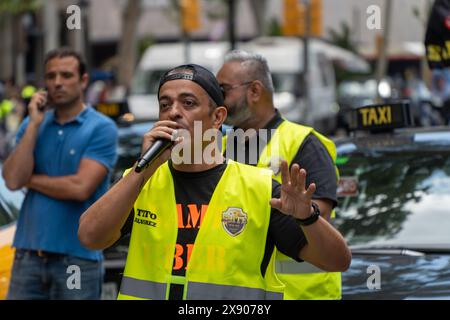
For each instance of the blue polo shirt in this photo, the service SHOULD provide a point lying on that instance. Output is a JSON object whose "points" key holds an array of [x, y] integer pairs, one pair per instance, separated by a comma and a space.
{"points": [[50, 224]]}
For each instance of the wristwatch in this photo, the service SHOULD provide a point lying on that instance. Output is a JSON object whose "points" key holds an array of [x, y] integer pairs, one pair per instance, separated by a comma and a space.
{"points": [[312, 218]]}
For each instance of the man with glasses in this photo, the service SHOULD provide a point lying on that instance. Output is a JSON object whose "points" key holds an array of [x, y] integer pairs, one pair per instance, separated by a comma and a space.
{"points": [[247, 85]]}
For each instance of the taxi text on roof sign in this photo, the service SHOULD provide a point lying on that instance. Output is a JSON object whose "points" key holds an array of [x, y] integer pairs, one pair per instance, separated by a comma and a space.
{"points": [[376, 116], [381, 117]]}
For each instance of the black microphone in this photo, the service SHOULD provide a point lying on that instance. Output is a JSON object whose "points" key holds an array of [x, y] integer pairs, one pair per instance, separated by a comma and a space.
{"points": [[155, 150]]}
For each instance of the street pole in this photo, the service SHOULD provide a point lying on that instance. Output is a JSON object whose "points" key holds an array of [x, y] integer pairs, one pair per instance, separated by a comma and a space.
{"points": [[7, 60], [84, 6], [185, 39], [39, 52], [305, 78], [51, 25], [231, 23], [425, 71], [382, 59], [19, 50], [187, 47]]}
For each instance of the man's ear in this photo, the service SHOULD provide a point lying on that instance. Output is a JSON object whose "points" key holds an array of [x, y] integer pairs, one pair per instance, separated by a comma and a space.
{"points": [[219, 116], [84, 81], [256, 90]]}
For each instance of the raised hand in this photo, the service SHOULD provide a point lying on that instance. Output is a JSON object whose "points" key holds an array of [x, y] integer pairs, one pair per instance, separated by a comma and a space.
{"points": [[295, 200]]}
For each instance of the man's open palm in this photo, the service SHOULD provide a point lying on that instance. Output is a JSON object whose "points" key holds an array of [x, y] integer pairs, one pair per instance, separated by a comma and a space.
{"points": [[295, 200]]}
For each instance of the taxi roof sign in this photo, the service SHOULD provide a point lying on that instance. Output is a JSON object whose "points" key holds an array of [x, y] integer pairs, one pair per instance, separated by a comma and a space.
{"points": [[381, 117]]}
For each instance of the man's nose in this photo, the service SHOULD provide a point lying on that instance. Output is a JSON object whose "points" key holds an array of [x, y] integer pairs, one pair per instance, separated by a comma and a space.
{"points": [[175, 111], [58, 80]]}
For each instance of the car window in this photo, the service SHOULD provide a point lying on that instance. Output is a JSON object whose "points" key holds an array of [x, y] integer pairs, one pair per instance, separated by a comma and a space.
{"points": [[10, 203], [4, 217], [285, 82], [361, 89], [324, 69], [397, 198]]}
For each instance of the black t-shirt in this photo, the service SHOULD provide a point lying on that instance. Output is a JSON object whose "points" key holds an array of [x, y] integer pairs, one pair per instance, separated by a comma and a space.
{"points": [[312, 156], [193, 192]]}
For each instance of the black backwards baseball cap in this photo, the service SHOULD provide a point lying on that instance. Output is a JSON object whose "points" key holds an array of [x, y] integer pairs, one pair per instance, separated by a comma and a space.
{"points": [[198, 74]]}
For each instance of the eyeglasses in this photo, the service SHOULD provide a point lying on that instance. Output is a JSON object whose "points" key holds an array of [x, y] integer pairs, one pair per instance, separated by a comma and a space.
{"points": [[228, 87]]}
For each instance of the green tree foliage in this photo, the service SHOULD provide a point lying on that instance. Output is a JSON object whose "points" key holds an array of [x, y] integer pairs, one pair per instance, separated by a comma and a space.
{"points": [[274, 28], [19, 6], [144, 43], [388, 185], [343, 37]]}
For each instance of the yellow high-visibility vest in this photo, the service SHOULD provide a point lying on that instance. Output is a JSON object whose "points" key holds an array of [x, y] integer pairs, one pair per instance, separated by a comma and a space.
{"points": [[302, 280], [6, 106], [226, 259], [28, 91]]}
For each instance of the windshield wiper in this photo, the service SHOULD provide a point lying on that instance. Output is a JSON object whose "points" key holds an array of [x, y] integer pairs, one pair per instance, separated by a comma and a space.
{"points": [[412, 249], [382, 250]]}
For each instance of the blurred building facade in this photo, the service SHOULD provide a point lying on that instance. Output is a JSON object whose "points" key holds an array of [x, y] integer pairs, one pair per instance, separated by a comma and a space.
{"points": [[26, 38]]}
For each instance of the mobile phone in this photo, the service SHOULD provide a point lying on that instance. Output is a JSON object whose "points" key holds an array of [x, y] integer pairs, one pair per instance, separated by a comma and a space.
{"points": [[43, 106]]}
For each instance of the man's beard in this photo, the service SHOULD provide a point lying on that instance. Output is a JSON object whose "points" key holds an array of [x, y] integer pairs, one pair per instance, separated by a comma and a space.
{"points": [[238, 114], [69, 102]]}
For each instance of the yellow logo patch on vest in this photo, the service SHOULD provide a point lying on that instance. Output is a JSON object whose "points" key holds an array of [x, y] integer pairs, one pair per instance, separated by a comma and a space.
{"points": [[234, 221]]}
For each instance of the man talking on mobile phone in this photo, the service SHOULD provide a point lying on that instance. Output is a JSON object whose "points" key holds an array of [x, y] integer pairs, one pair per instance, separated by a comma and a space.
{"points": [[64, 154]]}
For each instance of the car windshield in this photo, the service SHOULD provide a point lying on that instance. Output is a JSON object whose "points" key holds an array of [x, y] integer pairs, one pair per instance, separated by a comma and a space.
{"points": [[146, 81], [395, 199]]}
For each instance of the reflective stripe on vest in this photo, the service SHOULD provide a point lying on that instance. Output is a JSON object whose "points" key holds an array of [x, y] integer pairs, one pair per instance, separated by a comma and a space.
{"points": [[209, 291], [143, 288], [294, 267], [196, 291]]}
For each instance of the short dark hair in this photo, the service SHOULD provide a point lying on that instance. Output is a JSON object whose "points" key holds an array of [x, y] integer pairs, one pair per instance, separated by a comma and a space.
{"points": [[66, 52]]}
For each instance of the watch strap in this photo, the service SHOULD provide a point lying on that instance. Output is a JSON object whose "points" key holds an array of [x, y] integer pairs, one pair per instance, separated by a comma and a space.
{"points": [[312, 218]]}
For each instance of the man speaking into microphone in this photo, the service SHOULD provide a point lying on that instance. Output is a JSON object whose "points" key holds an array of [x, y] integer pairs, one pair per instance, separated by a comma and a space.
{"points": [[205, 229]]}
